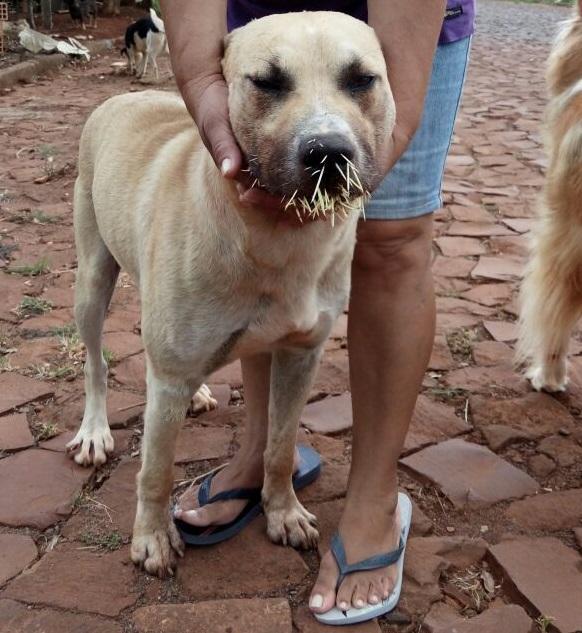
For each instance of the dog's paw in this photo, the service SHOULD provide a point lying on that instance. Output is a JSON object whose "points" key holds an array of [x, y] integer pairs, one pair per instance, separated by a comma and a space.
{"points": [[91, 444], [295, 527], [155, 550], [547, 378], [203, 400]]}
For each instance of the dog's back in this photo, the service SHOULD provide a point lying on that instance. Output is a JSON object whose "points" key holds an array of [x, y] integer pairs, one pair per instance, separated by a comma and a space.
{"points": [[139, 28], [564, 121], [125, 145]]}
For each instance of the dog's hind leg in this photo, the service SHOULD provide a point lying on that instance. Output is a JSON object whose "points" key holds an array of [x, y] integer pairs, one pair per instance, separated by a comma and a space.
{"points": [[96, 275], [292, 373], [144, 67], [551, 298], [551, 293], [155, 538]]}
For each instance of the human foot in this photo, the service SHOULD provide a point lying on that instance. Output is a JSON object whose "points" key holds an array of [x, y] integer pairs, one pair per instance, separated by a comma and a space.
{"points": [[380, 533], [244, 471]]}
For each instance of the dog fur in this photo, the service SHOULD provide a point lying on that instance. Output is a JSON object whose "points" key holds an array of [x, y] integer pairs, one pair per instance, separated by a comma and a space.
{"points": [[145, 40], [220, 281], [551, 293]]}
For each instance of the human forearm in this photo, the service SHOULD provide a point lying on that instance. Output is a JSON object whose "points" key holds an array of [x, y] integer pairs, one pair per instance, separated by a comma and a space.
{"points": [[195, 30], [408, 31]]}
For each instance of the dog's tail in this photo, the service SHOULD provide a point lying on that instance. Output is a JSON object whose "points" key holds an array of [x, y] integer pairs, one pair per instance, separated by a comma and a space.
{"points": [[123, 52]]}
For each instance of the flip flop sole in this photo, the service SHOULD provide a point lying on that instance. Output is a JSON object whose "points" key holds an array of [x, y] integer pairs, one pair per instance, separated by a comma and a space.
{"points": [[309, 470], [336, 617]]}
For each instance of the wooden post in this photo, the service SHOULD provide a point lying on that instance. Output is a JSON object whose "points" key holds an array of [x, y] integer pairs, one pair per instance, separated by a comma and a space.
{"points": [[47, 14], [28, 10], [3, 20]]}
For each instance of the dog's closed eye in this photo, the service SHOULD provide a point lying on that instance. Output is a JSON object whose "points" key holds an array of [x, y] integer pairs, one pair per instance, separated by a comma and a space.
{"points": [[356, 78], [274, 81], [359, 83]]}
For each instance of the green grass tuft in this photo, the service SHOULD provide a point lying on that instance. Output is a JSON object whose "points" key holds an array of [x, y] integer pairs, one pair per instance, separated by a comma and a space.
{"points": [[32, 306], [31, 270], [109, 541]]}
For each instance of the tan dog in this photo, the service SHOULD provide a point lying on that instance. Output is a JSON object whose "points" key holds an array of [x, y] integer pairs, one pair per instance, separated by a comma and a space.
{"points": [[219, 281], [552, 290]]}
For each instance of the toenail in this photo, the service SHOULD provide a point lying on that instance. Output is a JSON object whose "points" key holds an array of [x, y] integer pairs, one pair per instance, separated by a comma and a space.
{"points": [[316, 601], [359, 603], [343, 606], [374, 599]]}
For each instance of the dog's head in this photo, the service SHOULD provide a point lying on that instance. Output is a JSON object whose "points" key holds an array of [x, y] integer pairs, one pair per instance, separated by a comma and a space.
{"points": [[310, 102]]}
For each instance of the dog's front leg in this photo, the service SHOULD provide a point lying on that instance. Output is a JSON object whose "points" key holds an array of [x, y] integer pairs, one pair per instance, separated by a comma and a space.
{"points": [[155, 538], [292, 373]]}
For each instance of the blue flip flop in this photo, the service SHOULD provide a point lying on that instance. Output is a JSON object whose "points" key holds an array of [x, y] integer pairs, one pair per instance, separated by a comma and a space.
{"points": [[308, 471], [336, 616]]}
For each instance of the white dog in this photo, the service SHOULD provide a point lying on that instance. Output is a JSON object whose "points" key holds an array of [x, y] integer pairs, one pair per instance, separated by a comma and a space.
{"points": [[312, 109]]}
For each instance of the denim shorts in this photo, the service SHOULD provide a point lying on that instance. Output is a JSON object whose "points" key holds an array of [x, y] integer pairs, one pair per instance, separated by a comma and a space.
{"points": [[413, 186]]}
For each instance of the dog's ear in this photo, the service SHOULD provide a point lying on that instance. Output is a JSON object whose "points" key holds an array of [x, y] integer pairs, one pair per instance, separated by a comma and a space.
{"points": [[226, 40], [228, 37]]}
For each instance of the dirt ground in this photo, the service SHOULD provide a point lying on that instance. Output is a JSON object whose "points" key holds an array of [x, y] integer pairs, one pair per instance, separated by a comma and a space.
{"points": [[494, 469], [112, 28]]}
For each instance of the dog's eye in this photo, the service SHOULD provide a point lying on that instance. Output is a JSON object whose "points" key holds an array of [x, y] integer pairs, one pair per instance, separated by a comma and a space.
{"points": [[269, 84], [359, 83]]}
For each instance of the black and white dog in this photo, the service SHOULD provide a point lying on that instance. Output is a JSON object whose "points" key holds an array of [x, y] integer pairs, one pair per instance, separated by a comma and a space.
{"points": [[145, 39], [83, 11]]}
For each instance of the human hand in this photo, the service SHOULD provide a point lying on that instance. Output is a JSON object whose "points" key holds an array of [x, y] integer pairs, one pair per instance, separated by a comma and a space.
{"points": [[207, 102]]}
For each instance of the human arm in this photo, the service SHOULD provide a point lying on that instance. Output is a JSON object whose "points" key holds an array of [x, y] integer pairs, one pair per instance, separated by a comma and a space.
{"points": [[195, 30], [408, 31]]}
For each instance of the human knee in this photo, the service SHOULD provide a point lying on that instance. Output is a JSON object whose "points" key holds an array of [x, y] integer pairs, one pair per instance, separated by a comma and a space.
{"points": [[387, 249]]}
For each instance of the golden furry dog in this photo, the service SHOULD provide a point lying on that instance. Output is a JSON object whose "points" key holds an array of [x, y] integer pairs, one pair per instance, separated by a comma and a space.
{"points": [[551, 293], [310, 104]]}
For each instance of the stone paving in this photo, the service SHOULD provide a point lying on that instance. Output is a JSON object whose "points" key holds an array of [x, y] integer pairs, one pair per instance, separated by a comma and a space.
{"points": [[494, 471]]}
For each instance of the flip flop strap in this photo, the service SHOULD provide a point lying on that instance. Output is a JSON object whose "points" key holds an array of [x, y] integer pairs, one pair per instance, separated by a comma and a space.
{"points": [[204, 498], [368, 564]]}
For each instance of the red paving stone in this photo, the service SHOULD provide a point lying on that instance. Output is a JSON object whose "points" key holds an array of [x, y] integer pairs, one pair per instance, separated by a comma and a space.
{"points": [[247, 564], [550, 593], [14, 432], [441, 358], [488, 353], [78, 579], [550, 512], [329, 415], [504, 619], [492, 184], [113, 508], [18, 618], [17, 390], [38, 488], [17, 551], [217, 616], [501, 331], [432, 422], [537, 414], [470, 474], [202, 443]]}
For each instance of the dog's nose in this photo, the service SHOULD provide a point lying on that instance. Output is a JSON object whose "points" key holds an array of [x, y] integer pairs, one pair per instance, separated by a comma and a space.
{"points": [[325, 149]]}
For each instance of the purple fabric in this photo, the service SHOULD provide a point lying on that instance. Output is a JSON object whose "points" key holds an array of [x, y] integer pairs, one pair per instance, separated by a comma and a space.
{"points": [[458, 23]]}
